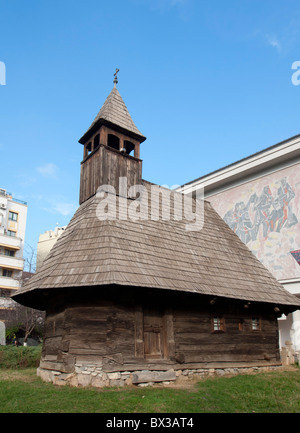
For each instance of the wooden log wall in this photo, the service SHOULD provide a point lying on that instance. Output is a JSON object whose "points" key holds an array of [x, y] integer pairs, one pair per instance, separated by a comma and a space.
{"points": [[110, 333], [196, 342]]}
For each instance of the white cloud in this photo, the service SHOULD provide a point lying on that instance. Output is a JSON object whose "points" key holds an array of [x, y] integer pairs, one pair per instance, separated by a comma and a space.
{"points": [[274, 42], [48, 170], [62, 208], [65, 209], [26, 180]]}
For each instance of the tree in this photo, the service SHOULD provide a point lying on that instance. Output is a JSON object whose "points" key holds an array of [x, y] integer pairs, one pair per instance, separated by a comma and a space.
{"points": [[29, 258], [29, 319], [25, 318]]}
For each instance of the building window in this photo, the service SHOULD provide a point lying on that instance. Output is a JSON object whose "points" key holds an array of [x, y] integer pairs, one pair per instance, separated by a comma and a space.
{"points": [[4, 293], [12, 216], [11, 233], [7, 273], [218, 324], [256, 324], [241, 325], [10, 253]]}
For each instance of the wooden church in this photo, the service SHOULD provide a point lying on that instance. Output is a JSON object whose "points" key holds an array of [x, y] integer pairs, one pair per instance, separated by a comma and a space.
{"points": [[131, 301]]}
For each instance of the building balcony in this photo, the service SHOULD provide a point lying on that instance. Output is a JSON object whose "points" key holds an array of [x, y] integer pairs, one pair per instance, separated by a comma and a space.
{"points": [[11, 262], [10, 242], [9, 283]]}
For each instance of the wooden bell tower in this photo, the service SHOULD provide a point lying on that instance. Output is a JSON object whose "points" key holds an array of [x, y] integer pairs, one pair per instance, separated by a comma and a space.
{"points": [[111, 148]]}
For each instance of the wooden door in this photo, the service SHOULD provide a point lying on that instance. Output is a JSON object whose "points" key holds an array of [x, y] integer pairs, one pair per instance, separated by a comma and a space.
{"points": [[153, 334]]}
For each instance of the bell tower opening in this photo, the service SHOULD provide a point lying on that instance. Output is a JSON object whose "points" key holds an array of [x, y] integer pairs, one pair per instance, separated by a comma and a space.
{"points": [[129, 147], [113, 141]]}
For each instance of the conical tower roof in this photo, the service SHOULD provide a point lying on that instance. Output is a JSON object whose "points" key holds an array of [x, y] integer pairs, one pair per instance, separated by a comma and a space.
{"points": [[114, 113]]}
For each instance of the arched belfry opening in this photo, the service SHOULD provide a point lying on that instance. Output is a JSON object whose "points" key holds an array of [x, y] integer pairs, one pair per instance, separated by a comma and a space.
{"points": [[113, 141], [111, 148]]}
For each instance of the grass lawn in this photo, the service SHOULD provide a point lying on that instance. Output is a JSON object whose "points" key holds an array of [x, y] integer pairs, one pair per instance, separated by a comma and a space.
{"points": [[21, 391]]}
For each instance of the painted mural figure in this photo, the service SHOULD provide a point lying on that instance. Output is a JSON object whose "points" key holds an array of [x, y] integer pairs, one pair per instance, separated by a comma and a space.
{"points": [[239, 220], [263, 214], [286, 217], [272, 214]]}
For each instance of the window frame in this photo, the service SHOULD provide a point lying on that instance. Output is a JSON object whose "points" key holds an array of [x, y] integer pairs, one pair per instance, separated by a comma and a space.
{"points": [[9, 253], [218, 325], [4, 271], [13, 213], [255, 323]]}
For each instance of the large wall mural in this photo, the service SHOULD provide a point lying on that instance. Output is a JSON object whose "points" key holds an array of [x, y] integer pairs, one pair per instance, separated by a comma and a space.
{"points": [[265, 214], [271, 213]]}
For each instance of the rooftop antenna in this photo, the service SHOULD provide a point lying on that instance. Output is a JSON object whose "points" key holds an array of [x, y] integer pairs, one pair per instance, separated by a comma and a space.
{"points": [[116, 78]]}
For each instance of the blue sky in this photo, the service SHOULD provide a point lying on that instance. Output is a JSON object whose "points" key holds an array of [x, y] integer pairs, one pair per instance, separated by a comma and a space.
{"points": [[207, 82]]}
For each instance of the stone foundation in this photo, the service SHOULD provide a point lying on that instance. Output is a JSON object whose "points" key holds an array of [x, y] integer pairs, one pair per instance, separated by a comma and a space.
{"points": [[94, 376]]}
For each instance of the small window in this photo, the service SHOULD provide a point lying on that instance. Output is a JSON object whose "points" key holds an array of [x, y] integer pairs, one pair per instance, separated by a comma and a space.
{"points": [[11, 233], [13, 216], [255, 323], [218, 324], [7, 273], [241, 325]]}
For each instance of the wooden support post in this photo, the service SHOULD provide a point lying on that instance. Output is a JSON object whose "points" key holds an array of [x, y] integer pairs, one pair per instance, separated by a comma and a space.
{"points": [[139, 332]]}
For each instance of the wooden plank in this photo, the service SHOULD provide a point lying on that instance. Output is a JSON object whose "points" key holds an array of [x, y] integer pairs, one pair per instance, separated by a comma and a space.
{"points": [[169, 340], [56, 366], [139, 330], [191, 357], [132, 366]]}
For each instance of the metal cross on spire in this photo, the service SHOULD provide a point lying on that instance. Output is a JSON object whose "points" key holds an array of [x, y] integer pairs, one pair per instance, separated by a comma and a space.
{"points": [[116, 77]]}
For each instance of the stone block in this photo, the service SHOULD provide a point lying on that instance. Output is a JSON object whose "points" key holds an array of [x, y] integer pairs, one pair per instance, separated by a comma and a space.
{"points": [[114, 376], [117, 382], [84, 379], [99, 382], [153, 376], [45, 375]]}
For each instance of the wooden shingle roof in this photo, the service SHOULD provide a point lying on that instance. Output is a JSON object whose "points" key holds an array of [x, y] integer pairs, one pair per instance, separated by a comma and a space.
{"points": [[115, 112], [155, 254]]}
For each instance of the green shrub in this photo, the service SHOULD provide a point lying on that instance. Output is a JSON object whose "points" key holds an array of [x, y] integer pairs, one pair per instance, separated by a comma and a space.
{"points": [[20, 356]]}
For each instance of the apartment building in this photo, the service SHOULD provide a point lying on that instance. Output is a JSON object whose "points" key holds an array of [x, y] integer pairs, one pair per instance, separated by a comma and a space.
{"points": [[13, 214], [45, 243]]}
